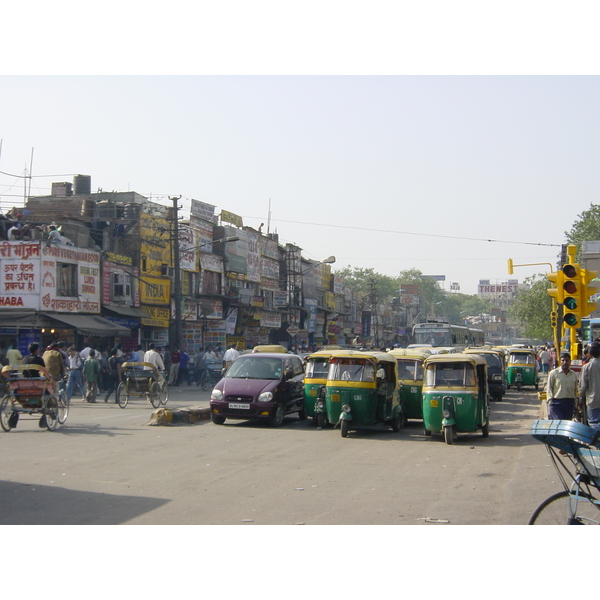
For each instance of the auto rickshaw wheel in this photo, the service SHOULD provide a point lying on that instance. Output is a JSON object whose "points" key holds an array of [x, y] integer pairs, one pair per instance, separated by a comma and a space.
{"points": [[302, 414], [426, 433], [155, 394], [6, 411], [397, 423], [519, 387], [449, 434], [345, 427], [321, 420], [122, 396], [485, 429], [51, 413]]}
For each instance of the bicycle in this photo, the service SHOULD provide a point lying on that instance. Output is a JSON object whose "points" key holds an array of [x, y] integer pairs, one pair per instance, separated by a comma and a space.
{"points": [[63, 400], [572, 449]]}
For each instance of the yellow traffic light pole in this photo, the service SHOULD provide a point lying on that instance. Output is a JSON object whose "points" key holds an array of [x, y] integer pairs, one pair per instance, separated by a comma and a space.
{"points": [[572, 291], [511, 267]]}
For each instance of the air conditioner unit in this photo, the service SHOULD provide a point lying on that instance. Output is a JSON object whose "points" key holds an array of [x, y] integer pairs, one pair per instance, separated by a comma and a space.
{"points": [[167, 271]]}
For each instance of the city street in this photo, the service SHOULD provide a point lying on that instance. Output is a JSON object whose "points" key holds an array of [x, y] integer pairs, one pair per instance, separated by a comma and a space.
{"points": [[107, 465]]}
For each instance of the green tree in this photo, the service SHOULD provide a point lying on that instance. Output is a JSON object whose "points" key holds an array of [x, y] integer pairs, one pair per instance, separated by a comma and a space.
{"points": [[586, 227], [532, 307], [360, 280]]}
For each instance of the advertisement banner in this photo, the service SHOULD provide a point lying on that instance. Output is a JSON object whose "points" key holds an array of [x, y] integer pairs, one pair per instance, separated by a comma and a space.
{"points": [[155, 290], [19, 275], [70, 279]]}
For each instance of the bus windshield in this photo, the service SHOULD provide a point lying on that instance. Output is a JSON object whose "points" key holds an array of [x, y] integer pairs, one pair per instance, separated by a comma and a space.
{"points": [[440, 338]]}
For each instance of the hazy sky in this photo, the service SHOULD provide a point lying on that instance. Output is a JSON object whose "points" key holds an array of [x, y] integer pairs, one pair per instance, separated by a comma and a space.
{"points": [[388, 172], [411, 170]]}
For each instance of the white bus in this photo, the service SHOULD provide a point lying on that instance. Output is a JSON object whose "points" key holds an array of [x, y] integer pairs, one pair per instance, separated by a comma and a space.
{"points": [[444, 335]]}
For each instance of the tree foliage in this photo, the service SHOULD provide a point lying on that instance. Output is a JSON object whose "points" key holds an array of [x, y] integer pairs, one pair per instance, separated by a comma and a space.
{"points": [[433, 301], [360, 281], [586, 227], [532, 307]]}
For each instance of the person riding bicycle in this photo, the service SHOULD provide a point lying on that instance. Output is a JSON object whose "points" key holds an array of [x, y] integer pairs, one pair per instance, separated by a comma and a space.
{"points": [[154, 358]]}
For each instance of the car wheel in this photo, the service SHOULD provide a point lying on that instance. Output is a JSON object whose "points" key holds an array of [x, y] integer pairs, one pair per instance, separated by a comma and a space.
{"points": [[277, 419]]}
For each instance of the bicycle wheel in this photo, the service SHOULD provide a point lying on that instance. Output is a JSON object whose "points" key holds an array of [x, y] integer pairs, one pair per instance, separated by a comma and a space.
{"points": [[122, 395], [155, 394], [556, 510], [51, 413], [63, 406], [6, 412], [204, 381], [164, 393]]}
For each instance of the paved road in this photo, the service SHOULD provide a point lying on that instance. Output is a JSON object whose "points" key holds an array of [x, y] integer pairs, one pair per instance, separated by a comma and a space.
{"points": [[109, 466]]}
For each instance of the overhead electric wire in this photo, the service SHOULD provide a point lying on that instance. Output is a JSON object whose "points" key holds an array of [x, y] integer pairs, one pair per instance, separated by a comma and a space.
{"points": [[437, 235]]}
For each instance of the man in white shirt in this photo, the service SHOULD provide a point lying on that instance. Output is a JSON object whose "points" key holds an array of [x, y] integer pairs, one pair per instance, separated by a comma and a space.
{"points": [[154, 358], [230, 355]]}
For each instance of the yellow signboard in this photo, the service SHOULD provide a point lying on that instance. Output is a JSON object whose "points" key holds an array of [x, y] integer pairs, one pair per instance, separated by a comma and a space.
{"points": [[155, 246], [158, 316], [155, 290]]}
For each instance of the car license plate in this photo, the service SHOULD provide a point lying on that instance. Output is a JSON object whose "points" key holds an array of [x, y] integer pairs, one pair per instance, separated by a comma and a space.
{"points": [[238, 405]]}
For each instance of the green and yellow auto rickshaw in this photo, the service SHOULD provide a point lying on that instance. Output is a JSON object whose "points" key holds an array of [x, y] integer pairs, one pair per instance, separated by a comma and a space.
{"points": [[362, 390], [455, 395], [522, 368], [315, 380], [496, 371], [410, 375]]}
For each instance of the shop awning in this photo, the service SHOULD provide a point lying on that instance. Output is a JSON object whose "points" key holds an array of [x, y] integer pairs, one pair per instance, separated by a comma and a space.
{"points": [[90, 324], [129, 312], [22, 318]]}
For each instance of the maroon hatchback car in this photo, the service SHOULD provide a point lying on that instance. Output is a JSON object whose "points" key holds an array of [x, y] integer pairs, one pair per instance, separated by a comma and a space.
{"points": [[260, 386]]}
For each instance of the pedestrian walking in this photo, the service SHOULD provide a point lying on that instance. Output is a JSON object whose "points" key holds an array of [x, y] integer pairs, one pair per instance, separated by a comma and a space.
{"points": [[184, 373], [230, 355], [544, 360], [91, 374], [115, 374], [174, 368], [75, 377], [590, 387], [13, 354], [561, 390]]}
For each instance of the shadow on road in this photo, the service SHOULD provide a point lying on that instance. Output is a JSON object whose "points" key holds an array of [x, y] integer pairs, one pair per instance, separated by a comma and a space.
{"points": [[26, 504]]}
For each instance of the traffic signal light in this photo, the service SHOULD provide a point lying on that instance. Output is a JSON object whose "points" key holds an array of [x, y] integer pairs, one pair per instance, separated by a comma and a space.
{"points": [[588, 289], [572, 296], [553, 318], [556, 292]]}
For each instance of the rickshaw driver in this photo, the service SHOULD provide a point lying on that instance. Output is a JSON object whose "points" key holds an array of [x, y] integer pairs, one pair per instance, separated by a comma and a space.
{"points": [[154, 358]]}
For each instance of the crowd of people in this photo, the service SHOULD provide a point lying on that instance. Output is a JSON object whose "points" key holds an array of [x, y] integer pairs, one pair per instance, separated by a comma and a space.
{"points": [[92, 371], [575, 396]]}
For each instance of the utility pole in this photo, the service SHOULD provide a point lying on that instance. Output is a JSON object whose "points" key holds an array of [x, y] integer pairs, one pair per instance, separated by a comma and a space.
{"points": [[176, 271]]}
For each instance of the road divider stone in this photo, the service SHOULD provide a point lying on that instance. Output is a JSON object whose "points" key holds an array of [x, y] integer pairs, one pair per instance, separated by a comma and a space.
{"points": [[180, 416]]}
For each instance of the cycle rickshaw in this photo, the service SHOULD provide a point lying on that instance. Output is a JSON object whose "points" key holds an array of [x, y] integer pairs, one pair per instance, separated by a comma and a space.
{"points": [[32, 390], [142, 379]]}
